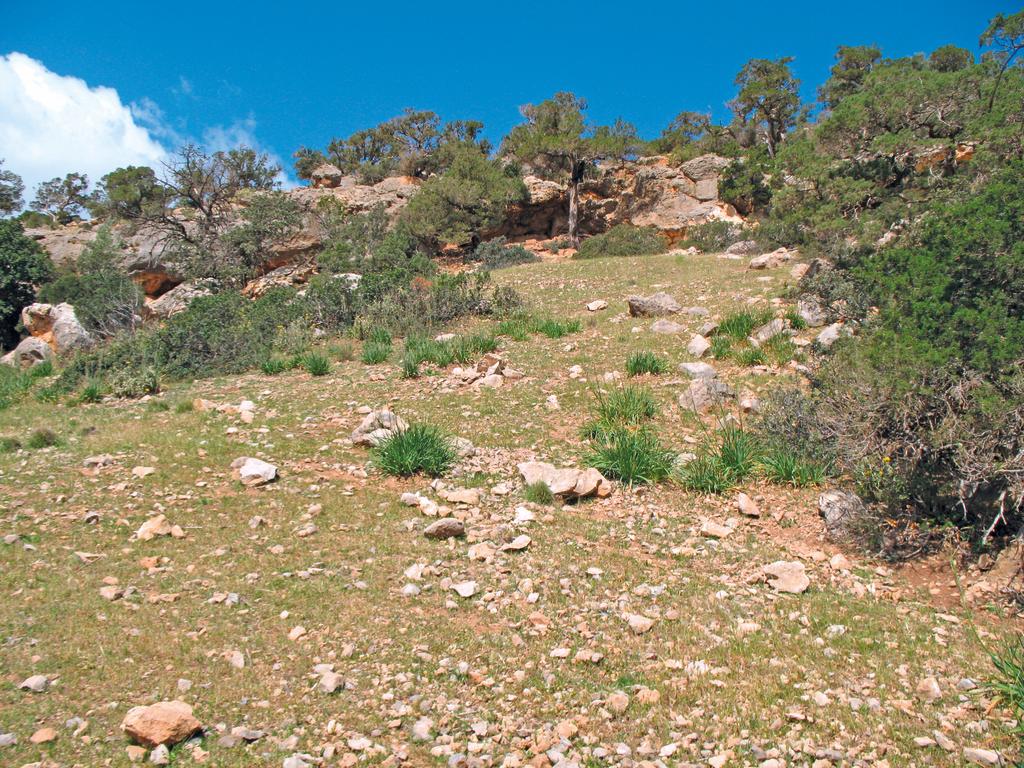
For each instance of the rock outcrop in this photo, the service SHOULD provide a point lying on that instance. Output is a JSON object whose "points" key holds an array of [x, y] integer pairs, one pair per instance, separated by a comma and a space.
{"points": [[29, 353], [56, 325]]}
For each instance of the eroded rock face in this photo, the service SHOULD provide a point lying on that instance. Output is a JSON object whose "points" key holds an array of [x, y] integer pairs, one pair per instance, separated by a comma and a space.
{"points": [[166, 722], [175, 300], [57, 325], [29, 353]]}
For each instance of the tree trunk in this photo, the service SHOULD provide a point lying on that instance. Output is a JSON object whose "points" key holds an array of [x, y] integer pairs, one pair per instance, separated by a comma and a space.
{"points": [[574, 213]]}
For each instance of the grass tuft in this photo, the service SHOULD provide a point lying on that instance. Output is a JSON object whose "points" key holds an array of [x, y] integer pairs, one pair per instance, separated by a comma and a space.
{"points": [[420, 448], [636, 457], [376, 352], [539, 493], [646, 362], [42, 438], [316, 364]]}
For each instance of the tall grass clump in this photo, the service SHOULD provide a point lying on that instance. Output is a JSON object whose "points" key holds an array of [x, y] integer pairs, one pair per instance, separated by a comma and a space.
{"points": [[633, 456], [741, 324], [640, 363], [418, 449], [316, 364]]}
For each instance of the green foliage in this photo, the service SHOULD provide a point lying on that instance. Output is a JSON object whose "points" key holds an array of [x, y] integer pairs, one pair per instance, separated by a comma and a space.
{"points": [[768, 98], [472, 196], [274, 365], [950, 58], [9, 444], [721, 347], [634, 456], [740, 325], [418, 449], [23, 265], [316, 364], [376, 352], [184, 406], [63, 200], [739, 451], [1007, 683], [106, 300], [134, 382], [92, 392], [646, 362], [706, 474], [628, 405], [553, 329], [43, 438], [750, 356], [130, 193], [11, 190], [268, 218], [853, 62], [497, 254], [539, 493], [786, 467], [409, 367], [623, 240]]}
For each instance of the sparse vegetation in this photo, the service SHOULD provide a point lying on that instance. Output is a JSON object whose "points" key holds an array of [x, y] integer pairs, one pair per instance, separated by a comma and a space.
{"points": [[539, 493], [316, 364], [623, 240], [646, 362]]}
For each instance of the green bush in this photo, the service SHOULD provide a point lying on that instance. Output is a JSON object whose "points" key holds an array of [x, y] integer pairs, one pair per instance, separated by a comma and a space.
{"points": [[497, 254], [554, 329], [646, 362], [9, 444], [786, 467], [739, 451], [750, 356], [23, 265], [134, 382], [1007, 684], [316, 364], [106, 300], [634, 456], [721, 347], [627, 405], [539, 493], [410, 367], [706, 474], [274, 365], [623, 240], [376, 352], [418, 449], [42, 438], [92, 392]]}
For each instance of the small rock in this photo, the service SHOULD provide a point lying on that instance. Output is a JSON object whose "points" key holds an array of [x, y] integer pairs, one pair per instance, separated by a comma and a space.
{"points": [[698, 346], [43, 736], [787, 576], [422, 729], [160, 756], [445, 528], [666, 327], [986, 757], [166, 722], [747, 506], [929, 690], [597, 305], [254, 472], [35, 683], [464, 588], [639, 624]]}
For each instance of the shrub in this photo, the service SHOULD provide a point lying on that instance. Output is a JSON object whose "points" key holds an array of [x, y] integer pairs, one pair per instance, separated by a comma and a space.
{"points": [[134, 382], [786, 467], [158, 406], [316, 364], [14, 384], [375, 352], [739, 451], [628, 405], [23, 265], [274, 365], [623, 240], [106, 300], [539, 493], [418, 449], [42, 438], [706, 474], [497, 254], [517, 328], [92, 392], [635, 457], [9, 444], [712, 236], [640, 363]]}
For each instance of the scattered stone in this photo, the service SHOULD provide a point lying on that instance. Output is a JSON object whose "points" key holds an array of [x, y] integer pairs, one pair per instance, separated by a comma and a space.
{"points": [[254, 472], [985, 757], [698, 370], [29, 353], [464, 588], [666, 327], [772, 260], [597, 306], [655, 305], [423, 729], [831, 334], [787, 576], [160, 756], [35, 683], [517, 544], [812, 312], [698, 346], [743, 248], [840, 511], [166, 722], [617, 702], [377, 427], [331, 682], [704, 394], [747, 506], [639, 624], [43, 736], [158, 525], [569, 483], [769, 330], [445, 528], [929, 690], [715, 530], [8, 740]]}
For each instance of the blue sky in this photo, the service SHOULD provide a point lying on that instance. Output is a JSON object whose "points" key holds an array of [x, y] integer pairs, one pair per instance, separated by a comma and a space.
{"points": [[289, 74]]}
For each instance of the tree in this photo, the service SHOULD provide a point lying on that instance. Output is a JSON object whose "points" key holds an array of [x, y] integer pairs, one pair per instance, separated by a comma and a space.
{"points": [[685, 129], [853, 62], [556, 138], [1006, 35], [950, 58], [412, 144], [106, 300], [11, 190], [471, 196], [268, 218], [768, 98], [62, 199], [128, 193], [23, 265]]}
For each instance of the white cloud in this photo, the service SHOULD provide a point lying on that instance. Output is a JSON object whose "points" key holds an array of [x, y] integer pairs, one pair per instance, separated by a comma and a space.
{"points": [[51, 125]]}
